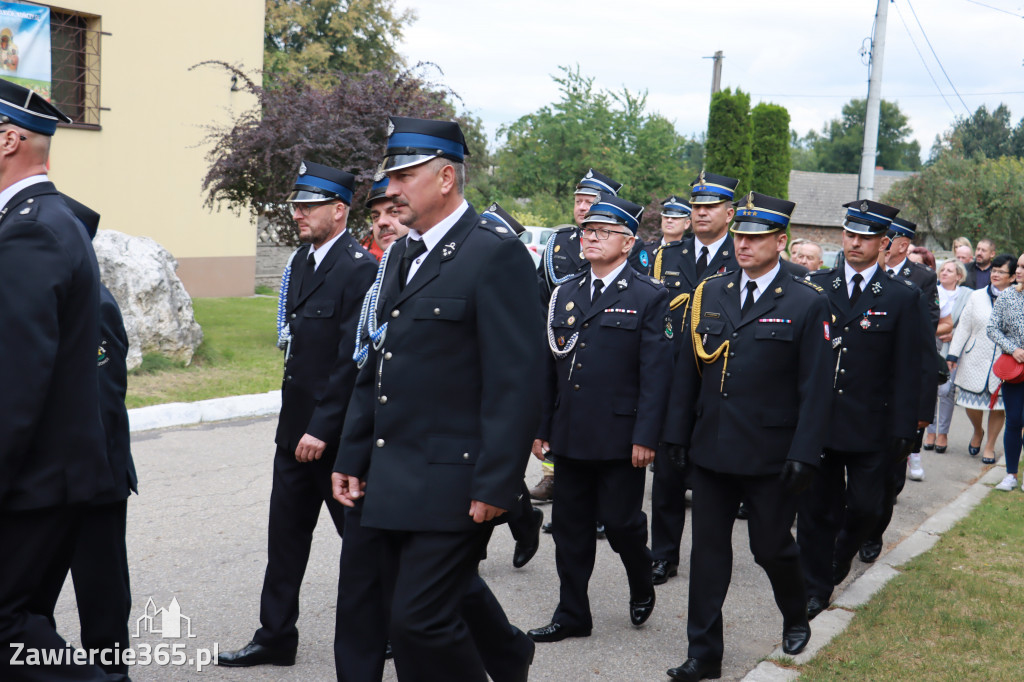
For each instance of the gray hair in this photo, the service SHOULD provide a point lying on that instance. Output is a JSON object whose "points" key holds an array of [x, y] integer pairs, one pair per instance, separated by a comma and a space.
{"points": [[460, 171]]}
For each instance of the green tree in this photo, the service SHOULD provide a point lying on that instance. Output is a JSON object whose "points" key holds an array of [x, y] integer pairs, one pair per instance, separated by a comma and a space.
{"points": [[728, 149], [801, 151], [974, 198], [770, 151], [838, 148], [986, 134], [544, 154], [315, 39]]}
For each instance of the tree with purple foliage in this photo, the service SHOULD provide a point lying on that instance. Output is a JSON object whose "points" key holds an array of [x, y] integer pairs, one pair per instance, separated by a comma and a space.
{"points": [[254, 161]]}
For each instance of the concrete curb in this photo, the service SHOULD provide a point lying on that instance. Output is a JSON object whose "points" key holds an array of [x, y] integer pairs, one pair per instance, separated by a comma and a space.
{"points": [[829, 624], [214, 410]]}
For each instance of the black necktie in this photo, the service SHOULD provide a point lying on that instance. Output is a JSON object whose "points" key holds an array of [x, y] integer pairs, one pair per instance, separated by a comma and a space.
{"points": [[413, 249], [598, 288], [855, 294], [748, 303], [702, 261]]}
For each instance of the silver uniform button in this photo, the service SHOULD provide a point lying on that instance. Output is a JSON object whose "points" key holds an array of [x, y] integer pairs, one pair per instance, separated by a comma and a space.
{"points": [[437, 311], [383, 400], [380, 442], [465, 455], [387, 355], [394, 313]]}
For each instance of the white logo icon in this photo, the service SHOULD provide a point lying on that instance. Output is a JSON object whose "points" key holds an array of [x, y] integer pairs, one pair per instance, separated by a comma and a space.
{"points": [[164, 622]]}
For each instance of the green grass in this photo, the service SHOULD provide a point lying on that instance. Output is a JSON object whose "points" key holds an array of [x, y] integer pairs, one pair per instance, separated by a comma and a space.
{"points": [[264, 290], [238, 356], [956, 612]]}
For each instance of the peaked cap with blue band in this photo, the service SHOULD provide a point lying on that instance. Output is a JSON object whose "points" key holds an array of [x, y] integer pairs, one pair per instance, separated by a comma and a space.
{"points": [[502, 217], [709, 188], [761, 214], [902, 228], [317, 182], [379, 190], [612, 209], [596, 184], [22, 107], [412, 141], [868, 217], [674, 207]]}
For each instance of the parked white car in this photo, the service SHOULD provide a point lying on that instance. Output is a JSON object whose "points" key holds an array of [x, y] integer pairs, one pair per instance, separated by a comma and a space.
{"points": [[536, 238]]}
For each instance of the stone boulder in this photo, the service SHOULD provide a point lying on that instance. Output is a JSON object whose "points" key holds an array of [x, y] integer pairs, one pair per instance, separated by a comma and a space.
{"points": [[157, 310]]}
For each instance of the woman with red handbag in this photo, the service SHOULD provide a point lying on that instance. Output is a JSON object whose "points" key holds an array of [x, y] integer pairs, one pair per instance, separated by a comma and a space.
{"points": [[1006, 329]]}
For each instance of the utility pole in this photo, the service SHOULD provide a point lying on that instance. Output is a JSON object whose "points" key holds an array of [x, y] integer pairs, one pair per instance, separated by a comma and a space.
{"points": [[716, 74], [866, 183]]}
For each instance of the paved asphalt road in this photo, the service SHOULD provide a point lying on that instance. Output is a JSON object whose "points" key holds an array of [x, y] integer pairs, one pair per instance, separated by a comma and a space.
{"points": [[197, 534]]}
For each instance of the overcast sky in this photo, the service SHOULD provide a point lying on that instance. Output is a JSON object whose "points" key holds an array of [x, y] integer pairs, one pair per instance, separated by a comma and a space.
{"points": [[499, 56]]}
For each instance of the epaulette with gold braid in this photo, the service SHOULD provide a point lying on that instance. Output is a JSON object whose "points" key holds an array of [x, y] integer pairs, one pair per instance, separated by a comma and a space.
{"points": [[809, 283]]}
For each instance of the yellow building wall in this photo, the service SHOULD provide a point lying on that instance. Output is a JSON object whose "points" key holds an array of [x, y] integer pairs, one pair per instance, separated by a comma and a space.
{"points": [[143, 169]]}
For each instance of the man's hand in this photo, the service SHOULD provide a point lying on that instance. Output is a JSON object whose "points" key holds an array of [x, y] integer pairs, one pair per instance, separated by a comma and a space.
{"points": [[1018, 355], [642, 456], [951, 365], [346, 489], [676, 454], [309, 448], [481, 511], [540, 448], [922, 424], [900, 448], [796, 476]]}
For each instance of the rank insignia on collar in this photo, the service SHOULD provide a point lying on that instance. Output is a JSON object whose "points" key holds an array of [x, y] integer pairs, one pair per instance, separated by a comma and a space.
{"points": [[622, 283], [570, 305], [837, 282], [572, 235], [877, 288], [906, 271], [725, 253], [448, 249]]}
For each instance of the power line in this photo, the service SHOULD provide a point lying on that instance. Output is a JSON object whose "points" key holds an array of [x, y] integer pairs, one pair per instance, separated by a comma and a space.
{"points": [[921, 56], [998, 9], [911, 6], [799, 95]]}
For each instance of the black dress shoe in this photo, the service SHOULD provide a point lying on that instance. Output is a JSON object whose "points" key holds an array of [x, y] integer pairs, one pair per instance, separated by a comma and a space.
{"points": [[815, 605], [389, 653], [526, 549], [870, 551], [661, 571], [600, 531], [640, 611], [795, 638], [743, 513], [546, 528], [694, 669], [256, 654], [840, 569], [556, 632]]}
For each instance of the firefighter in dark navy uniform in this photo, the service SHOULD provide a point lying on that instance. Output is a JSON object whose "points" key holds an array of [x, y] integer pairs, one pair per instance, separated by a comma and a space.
{"points": [[52, 446], [753, 328], [877, 382], [675, 222], [607, 380], [443, 412], [328, 280], [677, 264]]}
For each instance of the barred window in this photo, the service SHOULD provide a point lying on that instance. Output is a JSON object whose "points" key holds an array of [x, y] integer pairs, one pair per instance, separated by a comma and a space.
{"points": [[75, 65]]}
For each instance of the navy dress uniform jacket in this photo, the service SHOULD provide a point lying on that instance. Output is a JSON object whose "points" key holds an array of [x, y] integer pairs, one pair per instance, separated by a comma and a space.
{"points": [[610, 391], [765, 399], [319, 372], [446, 410], [51, 437], [876, 361], [925, 279], [566, 258], [677, 269], [113, 378]]}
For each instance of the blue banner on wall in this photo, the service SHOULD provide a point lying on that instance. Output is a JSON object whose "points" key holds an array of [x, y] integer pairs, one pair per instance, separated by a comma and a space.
{"points": [[25, 46]]}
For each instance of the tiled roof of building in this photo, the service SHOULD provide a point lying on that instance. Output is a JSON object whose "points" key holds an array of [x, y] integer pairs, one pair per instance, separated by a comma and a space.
{"points": [[820, 197]]}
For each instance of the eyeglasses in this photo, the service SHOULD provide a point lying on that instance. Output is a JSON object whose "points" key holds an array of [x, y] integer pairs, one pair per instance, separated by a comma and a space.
{"points": [[305, 208], [601, 232]]}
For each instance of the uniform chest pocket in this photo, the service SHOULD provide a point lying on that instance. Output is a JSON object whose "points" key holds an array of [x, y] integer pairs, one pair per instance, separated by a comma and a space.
{"points": [[877, 324], [627, 322], [439, 309], [318, 309], [776, 332], [711, 327]]}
